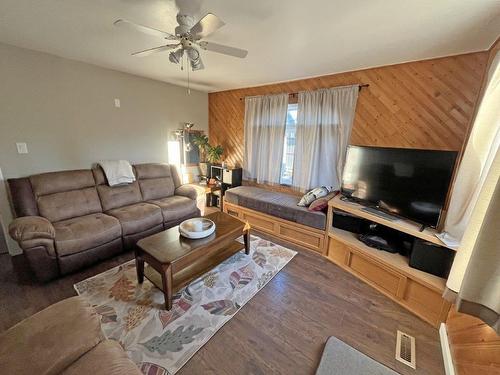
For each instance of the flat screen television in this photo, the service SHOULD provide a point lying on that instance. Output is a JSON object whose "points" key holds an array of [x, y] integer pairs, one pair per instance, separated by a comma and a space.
{"points": [[406, 182]]}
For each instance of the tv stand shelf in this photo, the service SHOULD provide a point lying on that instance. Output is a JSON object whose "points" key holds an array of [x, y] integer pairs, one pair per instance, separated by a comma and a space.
{"points": [[417, 291], [403, 225]]}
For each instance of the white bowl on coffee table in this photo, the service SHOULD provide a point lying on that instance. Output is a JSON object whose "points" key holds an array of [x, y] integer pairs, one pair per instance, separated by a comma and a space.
{"points": [[198, 227]]}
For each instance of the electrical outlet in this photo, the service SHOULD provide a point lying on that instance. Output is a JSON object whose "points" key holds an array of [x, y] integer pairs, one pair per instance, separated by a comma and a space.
{"points": [[22, 148], [117, 103]]}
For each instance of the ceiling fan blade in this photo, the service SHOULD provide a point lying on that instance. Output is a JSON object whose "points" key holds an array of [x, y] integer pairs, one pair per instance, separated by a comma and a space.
{"points": [[226, 50], [206, 26], [150, 51], [144, 29]]}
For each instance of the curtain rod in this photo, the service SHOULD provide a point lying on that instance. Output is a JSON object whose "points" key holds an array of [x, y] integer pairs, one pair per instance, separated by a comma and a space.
{"points": [[361, 85]]}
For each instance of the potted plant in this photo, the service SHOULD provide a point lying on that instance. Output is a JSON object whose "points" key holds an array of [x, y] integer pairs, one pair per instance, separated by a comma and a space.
{"points": [[214, 153]]}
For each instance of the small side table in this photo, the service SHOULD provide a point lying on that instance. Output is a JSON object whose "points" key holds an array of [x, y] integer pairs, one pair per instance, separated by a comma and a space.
{"points": [[209, 189]]}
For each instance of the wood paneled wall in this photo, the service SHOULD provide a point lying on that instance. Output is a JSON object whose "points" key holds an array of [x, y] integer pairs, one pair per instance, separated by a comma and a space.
{"points": [[424, 104], [475, 346]]}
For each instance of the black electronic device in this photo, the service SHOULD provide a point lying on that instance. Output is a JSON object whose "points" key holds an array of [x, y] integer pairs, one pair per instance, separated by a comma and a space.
{"points": [[409, 183], [387, 239], [378, 242], [431, 258], [350, 223]]}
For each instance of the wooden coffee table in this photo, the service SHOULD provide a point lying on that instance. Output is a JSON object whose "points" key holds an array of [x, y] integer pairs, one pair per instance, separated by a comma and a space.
{"points": [[174, 261]]}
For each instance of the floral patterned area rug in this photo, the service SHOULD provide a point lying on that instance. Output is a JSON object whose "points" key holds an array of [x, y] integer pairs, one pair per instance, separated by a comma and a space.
{"points": [[160, 342]]}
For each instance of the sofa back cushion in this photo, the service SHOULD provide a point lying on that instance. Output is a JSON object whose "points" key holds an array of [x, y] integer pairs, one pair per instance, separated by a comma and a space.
{"points": [[155, 180], [64, 195], [115, 196]]}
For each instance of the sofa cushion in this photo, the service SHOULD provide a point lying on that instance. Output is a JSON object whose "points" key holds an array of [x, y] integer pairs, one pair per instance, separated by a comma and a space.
{"points": [[107, 358], [137, 217], [56, 182], [119, 196], [51, 340], [66, 194], [155, 180], [176, 207], [69, 204], [275, 204], [85, 232]]}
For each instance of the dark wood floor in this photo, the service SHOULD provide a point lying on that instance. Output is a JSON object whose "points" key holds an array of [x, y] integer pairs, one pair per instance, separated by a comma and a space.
{"points": [[281, 330]]}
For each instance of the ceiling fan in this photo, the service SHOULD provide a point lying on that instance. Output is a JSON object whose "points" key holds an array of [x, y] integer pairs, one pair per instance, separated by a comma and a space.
{"points": [[187, 39]]}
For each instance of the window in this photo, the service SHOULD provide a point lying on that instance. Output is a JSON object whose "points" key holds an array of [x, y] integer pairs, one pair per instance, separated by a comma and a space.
{"points": [[289, 146]]}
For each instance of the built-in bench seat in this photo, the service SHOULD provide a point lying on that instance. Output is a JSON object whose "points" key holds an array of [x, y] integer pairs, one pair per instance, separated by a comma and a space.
{"points": [[275, 204], [277, 214]]}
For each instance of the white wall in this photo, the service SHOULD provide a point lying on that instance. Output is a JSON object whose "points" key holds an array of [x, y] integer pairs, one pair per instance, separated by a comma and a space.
{"points": [[64, 110]]}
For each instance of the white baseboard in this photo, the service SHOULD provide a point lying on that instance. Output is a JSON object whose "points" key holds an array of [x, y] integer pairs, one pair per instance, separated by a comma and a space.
{"points": [[449, 368]]}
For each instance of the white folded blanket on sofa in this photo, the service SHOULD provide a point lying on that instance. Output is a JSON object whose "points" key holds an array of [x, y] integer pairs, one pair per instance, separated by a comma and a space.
{"points": [[118, 172]]}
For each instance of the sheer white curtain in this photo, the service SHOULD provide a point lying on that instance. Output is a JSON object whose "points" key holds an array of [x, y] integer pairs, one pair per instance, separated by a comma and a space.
{"points": [[324, 122], [265, 121], [473, 219], [480, 151]]}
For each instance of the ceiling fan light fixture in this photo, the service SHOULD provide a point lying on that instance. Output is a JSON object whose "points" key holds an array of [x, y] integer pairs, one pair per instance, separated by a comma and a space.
{"points": [[176, 56], [194, 57]]}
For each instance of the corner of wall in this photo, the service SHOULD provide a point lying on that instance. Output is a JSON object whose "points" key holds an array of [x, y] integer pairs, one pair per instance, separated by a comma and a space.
{"points": [[6, 218]]}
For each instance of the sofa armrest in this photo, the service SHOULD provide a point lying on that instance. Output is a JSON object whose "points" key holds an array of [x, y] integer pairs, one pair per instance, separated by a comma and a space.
{"points": [[188, 191], [28, 228], [52, 339]]}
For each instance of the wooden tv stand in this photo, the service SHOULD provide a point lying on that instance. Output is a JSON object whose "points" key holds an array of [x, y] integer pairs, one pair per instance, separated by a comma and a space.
{"points": [[417, 291]]}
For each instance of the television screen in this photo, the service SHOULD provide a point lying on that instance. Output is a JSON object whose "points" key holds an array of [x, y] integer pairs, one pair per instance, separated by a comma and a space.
{"points": [[406, 182]]}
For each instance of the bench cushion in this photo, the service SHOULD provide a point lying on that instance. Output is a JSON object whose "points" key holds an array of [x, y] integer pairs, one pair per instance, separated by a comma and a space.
{"points": [[275, 204]]}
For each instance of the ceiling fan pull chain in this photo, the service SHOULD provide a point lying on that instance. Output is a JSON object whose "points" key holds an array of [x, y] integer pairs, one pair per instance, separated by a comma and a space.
{"points": [[189, 89]]}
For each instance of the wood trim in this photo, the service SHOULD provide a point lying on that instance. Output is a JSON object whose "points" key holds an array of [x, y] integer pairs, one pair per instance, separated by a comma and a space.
{"points": [[298, 234]]}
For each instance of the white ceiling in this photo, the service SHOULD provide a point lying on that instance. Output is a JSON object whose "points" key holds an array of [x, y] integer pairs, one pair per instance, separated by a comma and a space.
{"points": [[286, 39]]}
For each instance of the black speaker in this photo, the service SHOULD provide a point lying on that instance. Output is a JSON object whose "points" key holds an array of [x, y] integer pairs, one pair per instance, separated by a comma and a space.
{"points": [[431, 258], [350, 223]]}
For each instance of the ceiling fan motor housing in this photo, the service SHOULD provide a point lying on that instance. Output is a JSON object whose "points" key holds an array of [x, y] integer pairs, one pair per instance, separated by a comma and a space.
{"points": [[186, 22]]}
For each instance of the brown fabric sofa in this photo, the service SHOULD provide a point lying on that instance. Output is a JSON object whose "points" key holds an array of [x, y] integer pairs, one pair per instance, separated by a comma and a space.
{"points": [[70, 219], [65, 338]]}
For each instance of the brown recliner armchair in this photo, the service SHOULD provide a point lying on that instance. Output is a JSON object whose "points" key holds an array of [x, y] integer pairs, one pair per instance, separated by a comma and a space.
{"points": [[65, 338], [70, 219]]}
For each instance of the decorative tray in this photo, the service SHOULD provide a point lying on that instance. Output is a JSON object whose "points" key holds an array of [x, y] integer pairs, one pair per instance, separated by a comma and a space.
{"points": [[198, 227]]}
